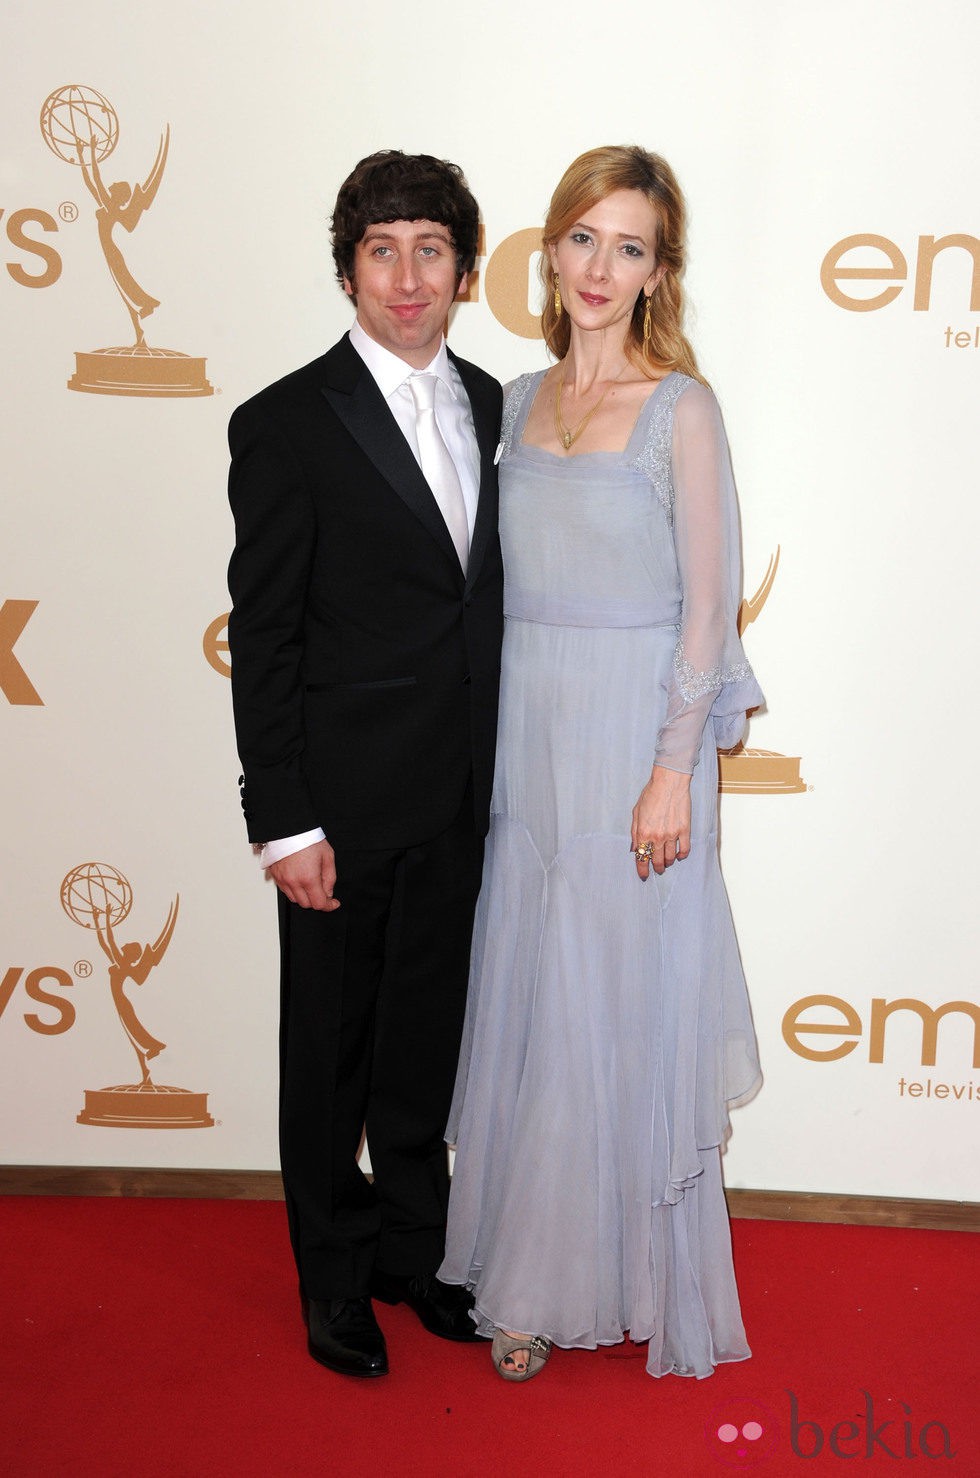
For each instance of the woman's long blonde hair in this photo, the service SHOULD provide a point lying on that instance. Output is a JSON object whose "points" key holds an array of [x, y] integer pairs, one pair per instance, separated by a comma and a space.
{"points": [[590, 179]]}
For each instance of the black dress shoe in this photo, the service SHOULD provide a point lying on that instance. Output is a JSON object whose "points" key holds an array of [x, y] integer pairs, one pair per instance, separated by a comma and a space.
{"points": [[344, 1336], [443, 1308]]}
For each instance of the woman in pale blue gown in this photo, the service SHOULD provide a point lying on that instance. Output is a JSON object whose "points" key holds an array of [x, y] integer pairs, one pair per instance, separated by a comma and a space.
{"points": [[608, 1025]]}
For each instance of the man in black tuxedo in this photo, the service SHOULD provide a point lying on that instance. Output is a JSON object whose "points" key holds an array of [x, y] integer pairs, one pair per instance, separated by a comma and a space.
{"points": [[365, 638]]}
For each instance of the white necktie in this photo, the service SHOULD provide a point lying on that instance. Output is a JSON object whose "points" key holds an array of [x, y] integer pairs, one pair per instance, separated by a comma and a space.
{"points": [[438, 467]]}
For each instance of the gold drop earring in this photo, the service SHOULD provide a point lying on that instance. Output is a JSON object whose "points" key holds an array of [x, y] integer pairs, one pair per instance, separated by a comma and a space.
{"points": [[557, 297], [647, 326]]}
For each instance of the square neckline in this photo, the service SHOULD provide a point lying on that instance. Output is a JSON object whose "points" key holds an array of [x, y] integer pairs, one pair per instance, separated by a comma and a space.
{"points": [[520, 445]]}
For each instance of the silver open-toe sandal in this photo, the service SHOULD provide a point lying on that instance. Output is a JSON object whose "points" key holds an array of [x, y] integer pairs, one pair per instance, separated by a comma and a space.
{"points": [[505, 1346]]}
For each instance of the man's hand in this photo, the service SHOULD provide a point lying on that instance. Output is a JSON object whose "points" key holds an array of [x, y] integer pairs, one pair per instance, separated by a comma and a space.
{"points": [[308, 877]]}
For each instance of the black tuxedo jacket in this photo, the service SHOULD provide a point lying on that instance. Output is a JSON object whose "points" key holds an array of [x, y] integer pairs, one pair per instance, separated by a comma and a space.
{"points": [[365, 668]]}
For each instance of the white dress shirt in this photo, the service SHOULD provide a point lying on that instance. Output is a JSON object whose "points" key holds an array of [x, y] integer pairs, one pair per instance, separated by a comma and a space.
{"points": [[454, 418]]}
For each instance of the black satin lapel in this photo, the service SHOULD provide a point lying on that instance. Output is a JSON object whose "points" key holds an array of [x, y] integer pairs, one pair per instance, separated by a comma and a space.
{"points": [[487, 424], [364, 412]]}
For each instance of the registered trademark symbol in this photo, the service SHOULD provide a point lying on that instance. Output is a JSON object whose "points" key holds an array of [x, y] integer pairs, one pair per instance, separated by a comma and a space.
{"points": [[68, 210], [82, 968]]}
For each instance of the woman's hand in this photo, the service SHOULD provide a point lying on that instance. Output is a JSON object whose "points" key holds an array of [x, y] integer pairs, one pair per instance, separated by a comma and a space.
{"points": [[661, 831]]}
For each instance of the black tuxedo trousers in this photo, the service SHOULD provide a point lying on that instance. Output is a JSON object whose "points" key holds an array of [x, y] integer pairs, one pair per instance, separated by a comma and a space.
{"points": [[372, 1011]]}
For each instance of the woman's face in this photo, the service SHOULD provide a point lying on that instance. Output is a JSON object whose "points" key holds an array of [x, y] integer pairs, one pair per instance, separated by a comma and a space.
{"points": [[606, 259]]}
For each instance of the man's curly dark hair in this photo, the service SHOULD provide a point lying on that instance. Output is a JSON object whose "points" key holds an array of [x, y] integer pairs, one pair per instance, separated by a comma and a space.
{"points": [[392, 186]]}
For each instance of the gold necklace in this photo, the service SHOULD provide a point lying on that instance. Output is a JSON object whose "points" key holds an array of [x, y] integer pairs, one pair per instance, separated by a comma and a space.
{"points": [[567, 437]]}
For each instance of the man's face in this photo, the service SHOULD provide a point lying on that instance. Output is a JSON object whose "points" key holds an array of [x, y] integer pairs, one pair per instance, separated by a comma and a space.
{"points": [[405, 282]]}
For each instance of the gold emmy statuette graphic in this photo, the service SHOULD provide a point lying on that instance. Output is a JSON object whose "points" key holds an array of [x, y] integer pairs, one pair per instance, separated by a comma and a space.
{"points": [[758, 771], [96, 896], [80, 126]]}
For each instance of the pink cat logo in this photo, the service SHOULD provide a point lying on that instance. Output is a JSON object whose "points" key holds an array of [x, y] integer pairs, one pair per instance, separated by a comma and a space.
{"points": [[741, 1433]]}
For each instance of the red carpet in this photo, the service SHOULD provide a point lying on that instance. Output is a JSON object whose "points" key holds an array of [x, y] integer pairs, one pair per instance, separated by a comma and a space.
{"points": [[159, 1338]]}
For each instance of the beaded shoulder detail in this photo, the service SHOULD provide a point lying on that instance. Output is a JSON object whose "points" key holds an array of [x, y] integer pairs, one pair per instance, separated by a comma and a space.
{"points": [[512, 408], [653, 458]]}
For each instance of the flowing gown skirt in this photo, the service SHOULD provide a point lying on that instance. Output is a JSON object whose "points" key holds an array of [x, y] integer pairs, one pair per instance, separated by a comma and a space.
{"points": [[608, 1025]]}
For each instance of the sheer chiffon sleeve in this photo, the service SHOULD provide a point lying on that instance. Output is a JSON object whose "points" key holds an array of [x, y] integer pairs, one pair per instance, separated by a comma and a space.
{"points": [[711, 677]]}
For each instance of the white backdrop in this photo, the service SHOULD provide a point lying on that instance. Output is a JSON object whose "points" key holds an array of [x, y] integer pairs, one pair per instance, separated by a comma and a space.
{"points": [[853, 436]]}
